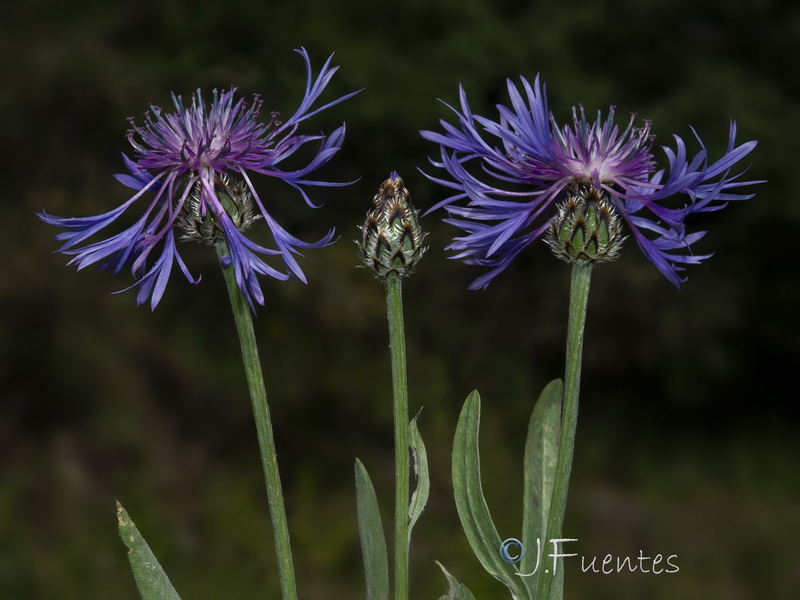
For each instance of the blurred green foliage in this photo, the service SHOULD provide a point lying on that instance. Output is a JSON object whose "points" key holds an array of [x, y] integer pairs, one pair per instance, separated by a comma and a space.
{"points": [[688, 437]]}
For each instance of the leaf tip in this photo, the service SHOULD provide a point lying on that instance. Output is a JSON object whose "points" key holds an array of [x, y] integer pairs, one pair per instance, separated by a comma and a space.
{"points": [[122, 515]]}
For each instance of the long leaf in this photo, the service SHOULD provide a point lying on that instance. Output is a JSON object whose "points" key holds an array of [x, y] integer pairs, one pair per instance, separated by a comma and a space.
{"points": [[541, 456], [471, 503], [373, 542], [420, 497], [150, 578]]}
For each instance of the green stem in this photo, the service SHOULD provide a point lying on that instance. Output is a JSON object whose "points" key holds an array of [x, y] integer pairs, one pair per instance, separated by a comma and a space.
{"points": [[266, 441], [397, 342], [578, 300]]}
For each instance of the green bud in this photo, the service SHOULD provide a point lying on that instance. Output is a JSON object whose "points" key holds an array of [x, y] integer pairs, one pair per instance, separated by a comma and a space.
{"points": [[586, 228], [234, 197], [391, 240]]}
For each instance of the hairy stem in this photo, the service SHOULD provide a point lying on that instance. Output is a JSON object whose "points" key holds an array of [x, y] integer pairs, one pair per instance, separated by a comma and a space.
{"points": [[266, 441], [578, 300], [397, 342]]}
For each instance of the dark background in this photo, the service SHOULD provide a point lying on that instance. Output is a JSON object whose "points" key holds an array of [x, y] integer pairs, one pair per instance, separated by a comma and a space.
{"points": [[687, 442]]}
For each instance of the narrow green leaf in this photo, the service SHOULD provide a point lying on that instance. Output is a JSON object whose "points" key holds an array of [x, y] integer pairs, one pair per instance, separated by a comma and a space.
{"points": [[420, 496], [150, 578], [373, 542], [471, 503], [541, 456], [456, 590]]}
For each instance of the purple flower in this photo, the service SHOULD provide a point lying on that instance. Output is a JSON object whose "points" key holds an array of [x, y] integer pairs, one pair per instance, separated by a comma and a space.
{"points": [[509, 173], [185, 171]]}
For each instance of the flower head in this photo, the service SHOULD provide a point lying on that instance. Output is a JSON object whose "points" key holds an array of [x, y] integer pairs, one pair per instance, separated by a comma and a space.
{"points": [[508, 174], [391, 238], [586, 229], [191, 170]]}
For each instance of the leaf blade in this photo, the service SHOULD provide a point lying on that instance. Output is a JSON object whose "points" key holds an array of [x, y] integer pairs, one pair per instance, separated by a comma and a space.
{"points": [[420, 457], [473, 511], [456, 590], [541, 457], [373, 541], [151, 580]]}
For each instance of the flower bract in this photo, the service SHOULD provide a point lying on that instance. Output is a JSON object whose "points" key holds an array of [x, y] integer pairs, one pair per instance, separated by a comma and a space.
{"points": [[391, 238]]}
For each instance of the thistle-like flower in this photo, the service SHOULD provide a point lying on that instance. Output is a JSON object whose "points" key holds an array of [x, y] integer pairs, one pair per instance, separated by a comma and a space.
{"points": [[391, 240], [512, 171], [191, 170]]}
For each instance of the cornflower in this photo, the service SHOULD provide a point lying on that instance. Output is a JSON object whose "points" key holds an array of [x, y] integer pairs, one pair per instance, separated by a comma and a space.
{"points": [[508, 174], [196, 163]]}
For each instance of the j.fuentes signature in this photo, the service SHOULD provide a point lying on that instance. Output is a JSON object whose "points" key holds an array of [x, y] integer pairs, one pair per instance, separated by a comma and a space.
{"points": [[512, 551]]}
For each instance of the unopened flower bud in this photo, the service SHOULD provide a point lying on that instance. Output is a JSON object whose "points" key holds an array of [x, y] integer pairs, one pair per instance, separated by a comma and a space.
{"points": [[586, 228], [391, 241]]}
